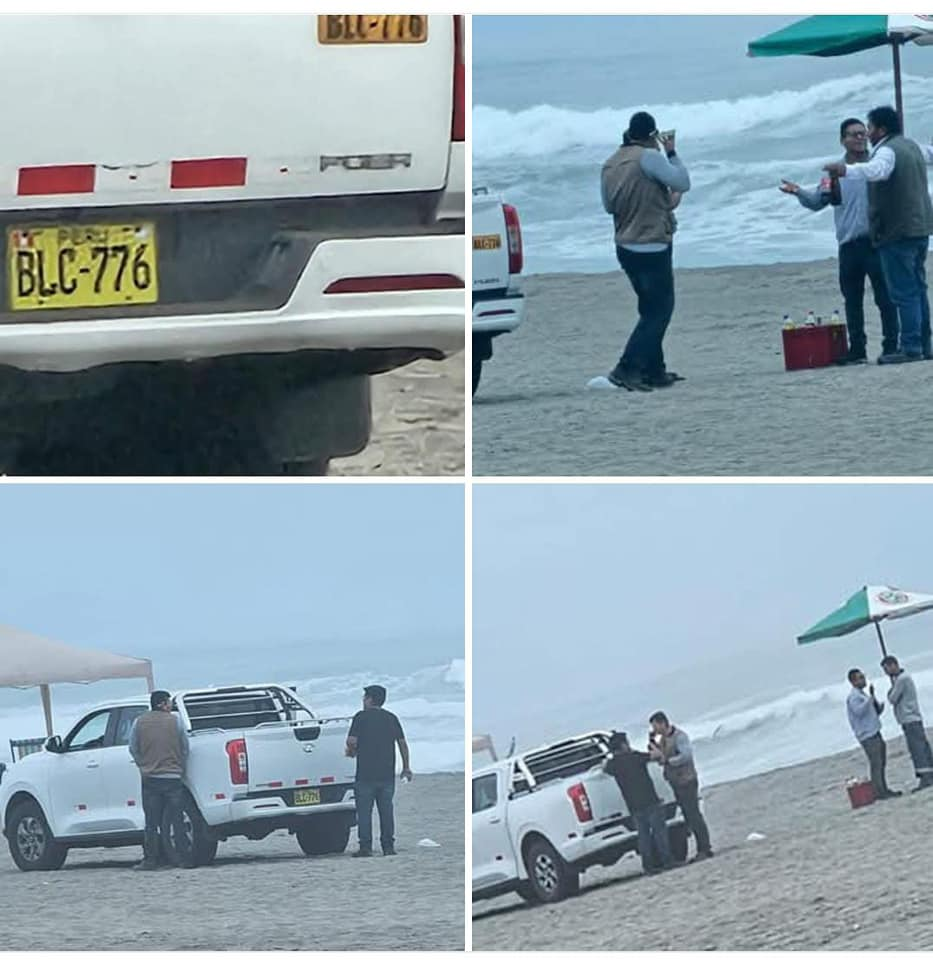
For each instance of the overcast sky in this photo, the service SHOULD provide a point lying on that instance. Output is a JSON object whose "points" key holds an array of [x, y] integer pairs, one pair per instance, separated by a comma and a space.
{"points": [[308, 578], [591, 600]]}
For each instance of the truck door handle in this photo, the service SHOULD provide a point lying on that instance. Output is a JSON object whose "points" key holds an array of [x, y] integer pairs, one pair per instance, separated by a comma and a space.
{"points": [[93, 763], [495, 819]]}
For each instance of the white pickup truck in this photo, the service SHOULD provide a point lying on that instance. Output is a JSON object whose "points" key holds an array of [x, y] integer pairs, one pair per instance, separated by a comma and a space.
{"points": [[222, 226], [498, 301], [544, 816], [259, 761]]}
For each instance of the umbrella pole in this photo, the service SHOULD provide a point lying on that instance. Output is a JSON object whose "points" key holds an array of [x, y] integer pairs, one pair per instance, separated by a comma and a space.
{"points": [[47, 707], [898, 97], [884, 650]]}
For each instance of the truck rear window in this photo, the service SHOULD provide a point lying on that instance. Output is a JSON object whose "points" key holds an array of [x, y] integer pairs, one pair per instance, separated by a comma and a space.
{"points": [[236, 709], [567, 759]]}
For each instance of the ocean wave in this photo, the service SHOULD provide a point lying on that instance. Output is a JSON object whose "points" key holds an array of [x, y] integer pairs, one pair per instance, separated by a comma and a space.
{"points": [[545, 130]]}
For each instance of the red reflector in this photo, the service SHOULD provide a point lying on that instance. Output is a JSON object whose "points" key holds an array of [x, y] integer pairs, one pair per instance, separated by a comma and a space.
{"points": [[458, 125], [327, 779], [131, 803], [514, 230], [82, 806], [581, 802], [302, 783], [412, 281], [218, 172], [275, 783], [220, 796], [71, 178]]}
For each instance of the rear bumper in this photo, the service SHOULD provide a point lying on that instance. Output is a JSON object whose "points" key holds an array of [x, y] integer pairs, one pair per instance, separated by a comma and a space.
{"points": [[230, 813], [428, 320], [499, 316]]}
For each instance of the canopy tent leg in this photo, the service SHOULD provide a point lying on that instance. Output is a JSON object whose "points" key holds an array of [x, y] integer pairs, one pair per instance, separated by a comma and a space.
{"points": [[898, 95], [46, 707], [884, 650]]}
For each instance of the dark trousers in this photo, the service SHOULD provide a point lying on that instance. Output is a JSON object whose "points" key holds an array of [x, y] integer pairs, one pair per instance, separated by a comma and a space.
{"points": [[877, 751], [919, 748], [652, 836], [652, 279], [904, 265], [160, 794], [858, 259], [688, 797], [380, 793]]}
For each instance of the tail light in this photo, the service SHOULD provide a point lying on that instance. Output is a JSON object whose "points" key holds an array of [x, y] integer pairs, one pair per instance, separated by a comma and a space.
{"points": [[458, 126], [581, 802], [239, 762], [402, 283], [514, 232]]}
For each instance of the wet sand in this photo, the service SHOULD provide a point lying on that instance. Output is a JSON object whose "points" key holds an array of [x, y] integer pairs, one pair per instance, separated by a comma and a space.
{"points": [[262, 895], [825, 876], [738, 413], [418, 423]]}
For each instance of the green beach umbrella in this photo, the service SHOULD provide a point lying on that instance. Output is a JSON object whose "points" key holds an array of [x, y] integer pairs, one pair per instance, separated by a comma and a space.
{"points": [[869, 605], [837, 36]]}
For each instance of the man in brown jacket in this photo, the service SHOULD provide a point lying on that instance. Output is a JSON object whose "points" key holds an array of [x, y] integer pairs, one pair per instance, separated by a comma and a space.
{"points": [[159, 747], [641, 184]]}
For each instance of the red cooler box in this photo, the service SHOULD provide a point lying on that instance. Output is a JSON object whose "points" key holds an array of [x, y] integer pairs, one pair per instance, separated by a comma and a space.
{"points": [[820, 346], [861, 794]]}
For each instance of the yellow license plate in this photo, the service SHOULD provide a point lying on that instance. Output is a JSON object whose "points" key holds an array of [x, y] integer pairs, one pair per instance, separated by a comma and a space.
{"points": [[305, 798], [372, 28], [491, 241], [67, 265]]}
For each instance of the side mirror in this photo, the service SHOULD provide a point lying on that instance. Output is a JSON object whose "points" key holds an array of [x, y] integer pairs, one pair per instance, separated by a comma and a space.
{"points": [[54, 745]]}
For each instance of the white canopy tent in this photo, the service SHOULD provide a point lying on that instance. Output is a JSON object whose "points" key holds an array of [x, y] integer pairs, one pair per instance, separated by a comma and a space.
{"points": [[30, 661]]}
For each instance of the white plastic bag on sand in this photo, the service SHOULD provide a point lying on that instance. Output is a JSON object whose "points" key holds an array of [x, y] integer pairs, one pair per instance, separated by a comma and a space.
{"points": [[427, 843], [600, 383], [756, 836]]}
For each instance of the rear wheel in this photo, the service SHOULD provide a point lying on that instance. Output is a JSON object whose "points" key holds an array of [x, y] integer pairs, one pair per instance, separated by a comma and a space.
{"points": [[477, 372], [550, 877], [322, 835], [186, 837], [32, 845]]}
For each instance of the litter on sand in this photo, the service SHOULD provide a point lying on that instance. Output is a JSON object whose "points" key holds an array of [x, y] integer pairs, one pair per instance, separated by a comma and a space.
{"points": [[427, 843], [756, 836]]}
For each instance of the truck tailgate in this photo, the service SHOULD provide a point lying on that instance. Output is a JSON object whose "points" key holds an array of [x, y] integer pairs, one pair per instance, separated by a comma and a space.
{"points": [[147, 109], [304, 756], [490, 249], [604, 795]]}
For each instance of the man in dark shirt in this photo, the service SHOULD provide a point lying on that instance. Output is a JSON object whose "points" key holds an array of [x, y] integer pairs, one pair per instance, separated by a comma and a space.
{"points": [[630, 769], [372, 739]]}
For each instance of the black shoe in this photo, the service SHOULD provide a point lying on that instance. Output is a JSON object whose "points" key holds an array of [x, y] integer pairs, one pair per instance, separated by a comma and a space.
{"points": [[889, 795], [666, 379], [389, 852], [852, 359], [628, 380], [363, 853], [887, 358], [702, 855]]}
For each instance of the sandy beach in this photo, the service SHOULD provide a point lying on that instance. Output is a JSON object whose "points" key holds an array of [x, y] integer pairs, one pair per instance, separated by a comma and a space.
{"points": [[262, 895], [824, 876], [738, 413], [418, 417]]}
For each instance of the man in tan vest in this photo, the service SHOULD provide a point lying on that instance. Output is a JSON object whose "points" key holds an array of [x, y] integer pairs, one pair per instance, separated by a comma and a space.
{"points": [[641, 185], [159, 747]]}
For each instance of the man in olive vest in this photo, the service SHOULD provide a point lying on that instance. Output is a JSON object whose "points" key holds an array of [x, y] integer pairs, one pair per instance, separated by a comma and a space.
{"points": [[641, 185], [901, 220], [159, 747]]}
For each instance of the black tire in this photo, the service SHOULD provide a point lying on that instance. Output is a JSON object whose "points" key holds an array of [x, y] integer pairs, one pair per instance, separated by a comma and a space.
{"points": [[32, 845], [678, 837], [186, 838], [477, 372], [550, 877], [323, 835]]}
